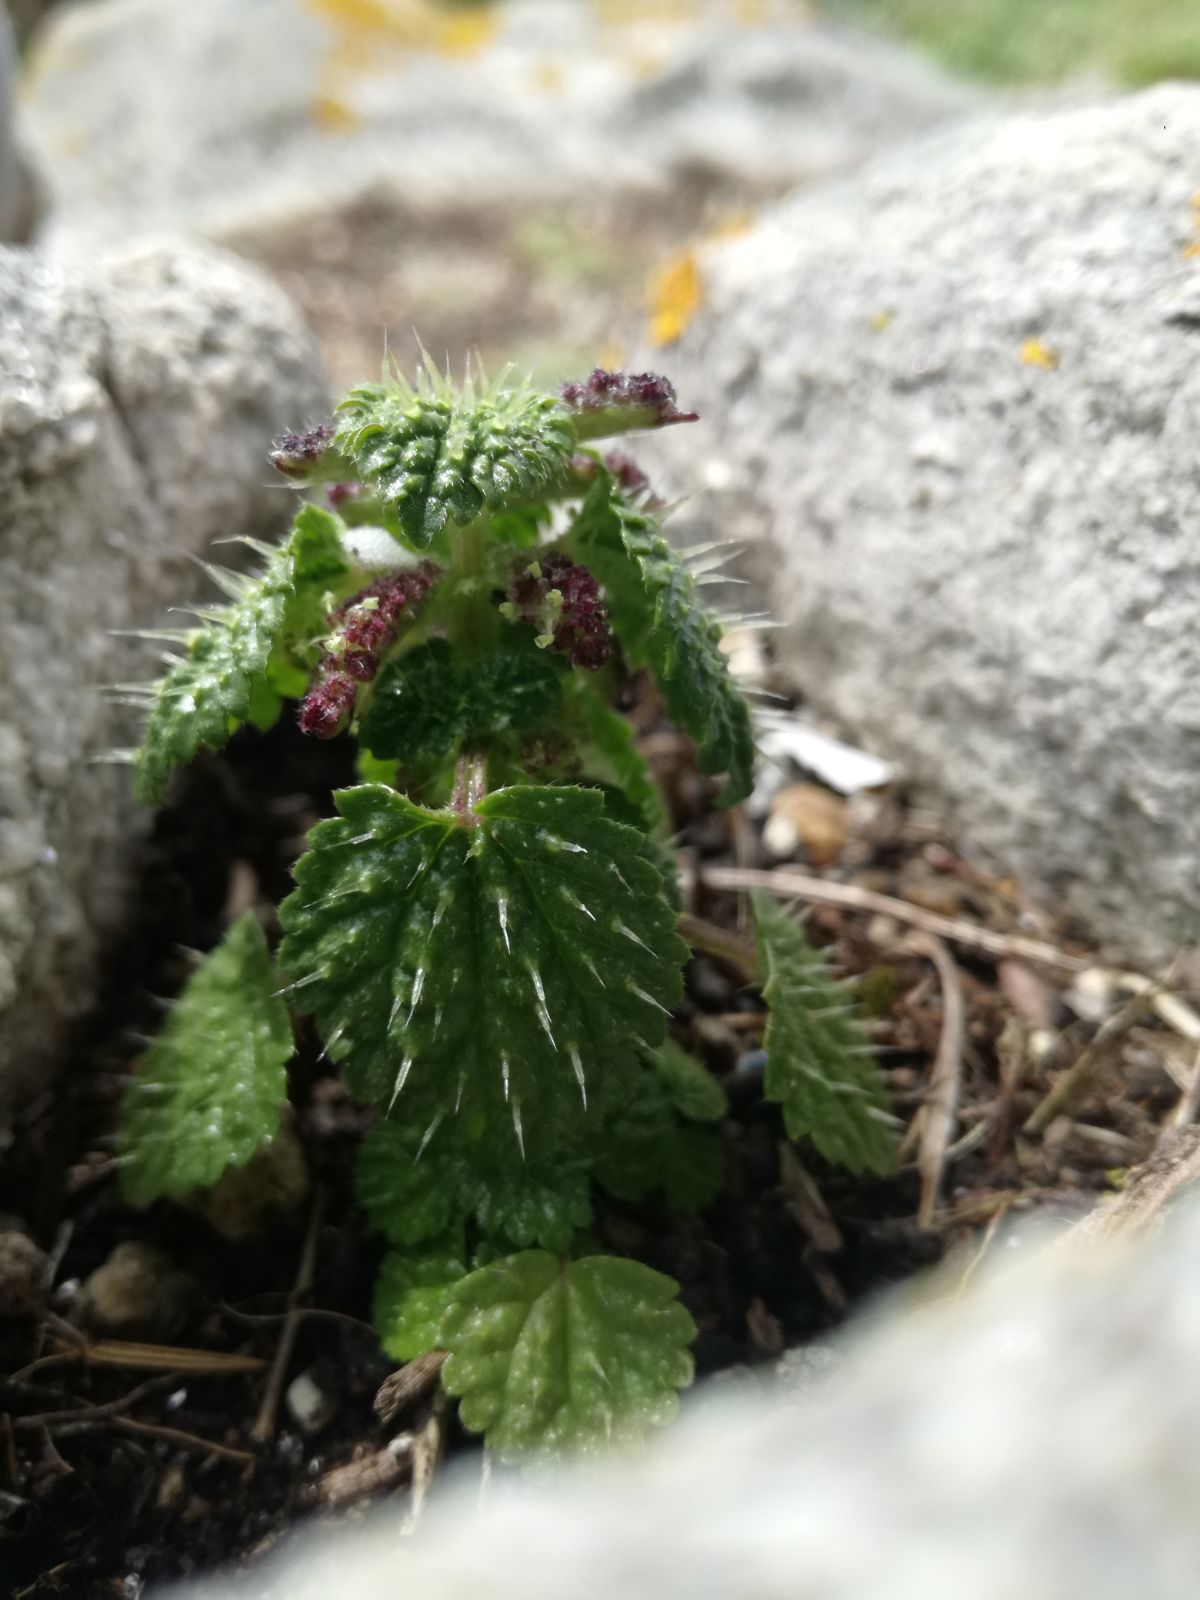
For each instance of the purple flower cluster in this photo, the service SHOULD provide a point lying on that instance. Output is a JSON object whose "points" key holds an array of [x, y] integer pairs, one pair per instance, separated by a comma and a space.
{"points": [[337, 494], [623, 391], [562, 601], [361, 631], [296, 453], [623, 468]]}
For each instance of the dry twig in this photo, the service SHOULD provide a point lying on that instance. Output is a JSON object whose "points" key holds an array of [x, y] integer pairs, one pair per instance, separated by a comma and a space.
{"points": [[428, 1445], [373, 1474], [798, 885], [935, 1120], [264, 1424], [1189, 1102], [1067, 1089], [414, 1379]]}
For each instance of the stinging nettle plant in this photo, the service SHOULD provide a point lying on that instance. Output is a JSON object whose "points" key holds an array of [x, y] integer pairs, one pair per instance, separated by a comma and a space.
{"points": [[485, 934]]}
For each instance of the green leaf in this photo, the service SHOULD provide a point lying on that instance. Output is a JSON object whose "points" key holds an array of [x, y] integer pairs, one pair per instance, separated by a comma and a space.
{"points": [[414, 1191], [426, 701], [689, 1086], [607, 750], [412, 1293], [410, 1193], [415, 708], [646, 1149], [535, 1204], [499, 963], [209, 1089], [437, 457], [657, 615], [548, 1355], [820, 1067], [221, 680]]}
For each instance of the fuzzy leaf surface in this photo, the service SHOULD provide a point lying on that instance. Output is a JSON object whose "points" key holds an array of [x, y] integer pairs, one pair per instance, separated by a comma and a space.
{"points": [[483, 964], [426, 701], [820, 1067], [221, 680], [658, 617], [549, 1355], [413, 1194], [411, 1296], [645, 1148], [688, 1084], [608, 752], [437, 457], [209, 1089]]}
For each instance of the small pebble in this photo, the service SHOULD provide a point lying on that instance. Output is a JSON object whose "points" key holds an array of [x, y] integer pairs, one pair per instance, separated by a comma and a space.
{"points": [[137, 1293], [22, 1273], [310, 1406]]}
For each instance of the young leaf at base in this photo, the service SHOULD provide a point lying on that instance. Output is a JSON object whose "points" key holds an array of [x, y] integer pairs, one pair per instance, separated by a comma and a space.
{"points": [[645, 1146], [411, 1296], [547, 1354], [209, 1089], [819, 1064]]}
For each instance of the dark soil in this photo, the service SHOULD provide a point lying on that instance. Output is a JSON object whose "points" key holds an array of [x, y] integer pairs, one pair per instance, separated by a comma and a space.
{"points": [[94, 1502]]}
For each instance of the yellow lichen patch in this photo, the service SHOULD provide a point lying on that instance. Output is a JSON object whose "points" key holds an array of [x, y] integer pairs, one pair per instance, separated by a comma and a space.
{"points": [[880, 320], [645, 65], [332, 115], [622, 13], [364, 28], [1192, 251], [732, 224], [1034, 353], [674, 295], [548, 77], [611, 356], [468, 34]]}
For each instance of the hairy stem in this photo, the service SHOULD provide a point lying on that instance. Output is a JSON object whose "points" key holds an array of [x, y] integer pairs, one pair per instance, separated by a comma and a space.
{"points": [[470, 781]]}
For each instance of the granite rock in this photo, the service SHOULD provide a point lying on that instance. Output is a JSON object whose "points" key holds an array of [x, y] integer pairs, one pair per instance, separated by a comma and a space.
{"points": [[951, 406], [1032, 1436], [138, 399]]}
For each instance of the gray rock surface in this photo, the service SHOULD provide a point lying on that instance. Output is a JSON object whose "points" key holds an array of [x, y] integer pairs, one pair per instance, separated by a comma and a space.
{"points": [[137, 403], [232, 120], [1033, 1437], [953, 406], [15, 194]]}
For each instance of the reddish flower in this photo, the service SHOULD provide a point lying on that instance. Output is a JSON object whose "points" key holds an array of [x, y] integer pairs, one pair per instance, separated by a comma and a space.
{"points": [[639, 399], [362, 630], [562, 601], [295, 454]]}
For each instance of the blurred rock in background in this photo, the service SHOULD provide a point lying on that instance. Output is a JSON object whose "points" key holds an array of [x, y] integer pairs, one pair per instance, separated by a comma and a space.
{"points": [[137, 401], [500, 177], [952, 407]]}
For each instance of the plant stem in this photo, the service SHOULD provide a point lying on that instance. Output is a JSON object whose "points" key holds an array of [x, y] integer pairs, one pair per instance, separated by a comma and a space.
{"points": [[470, 781], [472, 619]]}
